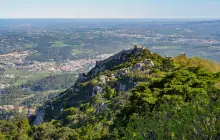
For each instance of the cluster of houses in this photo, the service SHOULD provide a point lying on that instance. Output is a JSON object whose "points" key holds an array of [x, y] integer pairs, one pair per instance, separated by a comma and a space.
{"points": [[20, 109], [17, 60]]}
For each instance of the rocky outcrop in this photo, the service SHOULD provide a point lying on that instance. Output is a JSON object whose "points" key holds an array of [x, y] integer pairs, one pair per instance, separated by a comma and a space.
{"points": [[82, 77], [101, 107], [96, 89], [41, 112], [137, 66], [39, 118], [142, 66], [120, 57], [102, 79], [148, 62], [89, 85]]}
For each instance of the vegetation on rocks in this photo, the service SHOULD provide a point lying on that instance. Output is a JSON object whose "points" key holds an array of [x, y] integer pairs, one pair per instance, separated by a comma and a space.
{"points": [[139, 95]]}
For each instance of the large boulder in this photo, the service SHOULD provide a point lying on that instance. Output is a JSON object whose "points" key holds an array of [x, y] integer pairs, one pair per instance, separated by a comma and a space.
{"points": [[96, 89], [113, 76], [102, 79], [137, 66], [149, 63]]}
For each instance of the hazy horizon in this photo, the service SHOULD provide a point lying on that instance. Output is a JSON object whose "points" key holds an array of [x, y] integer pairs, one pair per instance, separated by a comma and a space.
{"points": [[183, 9]]}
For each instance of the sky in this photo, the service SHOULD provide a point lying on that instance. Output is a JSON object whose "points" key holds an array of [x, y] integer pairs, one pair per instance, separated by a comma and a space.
{"points": [[109, 8]]}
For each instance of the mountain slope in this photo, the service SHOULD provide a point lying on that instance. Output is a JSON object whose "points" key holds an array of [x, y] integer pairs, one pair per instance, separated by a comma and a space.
{"points": [[137, 94], [90, 84]]}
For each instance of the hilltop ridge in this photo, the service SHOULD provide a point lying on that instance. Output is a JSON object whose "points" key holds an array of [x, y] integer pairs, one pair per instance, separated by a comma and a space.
{"points": [[100, 66], [128, 94]]}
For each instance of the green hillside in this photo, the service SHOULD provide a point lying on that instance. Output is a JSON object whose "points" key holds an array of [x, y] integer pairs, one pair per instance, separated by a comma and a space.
{"points": [[135, 94]]}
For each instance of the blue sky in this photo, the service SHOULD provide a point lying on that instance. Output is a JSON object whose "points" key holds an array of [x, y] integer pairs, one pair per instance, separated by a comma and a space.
{"points": [[109, 8]]}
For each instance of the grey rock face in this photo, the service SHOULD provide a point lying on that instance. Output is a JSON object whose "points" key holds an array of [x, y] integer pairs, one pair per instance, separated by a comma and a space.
{"points": [[81, 78], [149, 62], [122, 87], [142, 65], [97, 70], [103, 106], [119, 57], [96, 90], [137, 66], [39, 118], [122, 72], [102, 79], [115, 57]]}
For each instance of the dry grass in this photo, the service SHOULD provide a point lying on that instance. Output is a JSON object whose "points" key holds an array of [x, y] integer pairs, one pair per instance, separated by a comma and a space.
{"points": [[217, 85], [208, 65]]}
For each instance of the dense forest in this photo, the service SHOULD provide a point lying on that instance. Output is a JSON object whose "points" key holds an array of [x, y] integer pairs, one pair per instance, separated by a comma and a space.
{"points": [[138, 95]]}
